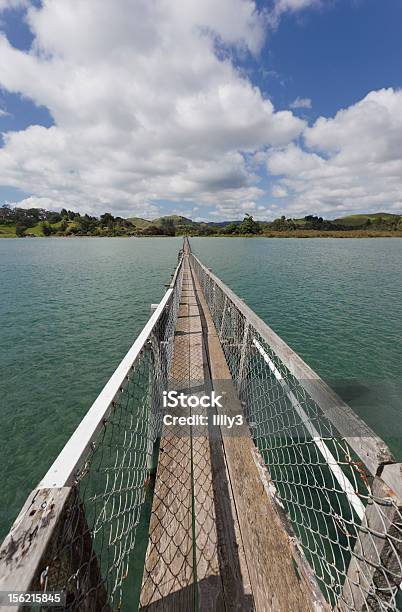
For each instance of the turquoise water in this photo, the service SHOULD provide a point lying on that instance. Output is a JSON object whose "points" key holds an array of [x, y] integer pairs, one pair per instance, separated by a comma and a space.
{"points": [[337, 302], [70, 309]]}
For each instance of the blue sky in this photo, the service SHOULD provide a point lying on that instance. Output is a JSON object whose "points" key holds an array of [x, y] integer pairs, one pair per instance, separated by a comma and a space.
{"points": [[336, 55], [283, 107]]}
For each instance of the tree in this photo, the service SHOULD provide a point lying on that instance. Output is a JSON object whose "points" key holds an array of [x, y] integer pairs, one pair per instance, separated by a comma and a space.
{"points": [[85, 224], [249, 226], [46, 229], [206, 230], [279, 224], [6, 214], [107, 220], [54, 217], [232, 228], [152, 230], [168, 227], [20, 229]]}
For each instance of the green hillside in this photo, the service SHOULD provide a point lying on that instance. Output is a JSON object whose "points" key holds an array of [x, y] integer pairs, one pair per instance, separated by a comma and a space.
{"points": [[140, 223], [361, 219], [177, 221], [180, 224], [7, 231]]}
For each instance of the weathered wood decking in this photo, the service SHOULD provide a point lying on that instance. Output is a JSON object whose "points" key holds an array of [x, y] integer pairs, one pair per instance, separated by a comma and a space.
{"points": [[216, 542], [168, 581]]}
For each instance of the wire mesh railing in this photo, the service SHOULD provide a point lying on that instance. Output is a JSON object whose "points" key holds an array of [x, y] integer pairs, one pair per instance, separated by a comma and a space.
{"points": [[334, 477], [77, 531]]}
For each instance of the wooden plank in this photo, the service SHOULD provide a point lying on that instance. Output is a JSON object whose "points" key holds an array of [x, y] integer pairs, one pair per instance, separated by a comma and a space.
{"points": [[209, 582], [270, 555], [183, 470], [168, 579], [25, 546], [183, 310], [190, 300], [234, 570], [375, 570], [233, 567], [392, 476]]}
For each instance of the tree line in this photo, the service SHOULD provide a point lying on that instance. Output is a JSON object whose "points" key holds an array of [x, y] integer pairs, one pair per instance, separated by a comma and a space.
{"points": [[72, 223]]}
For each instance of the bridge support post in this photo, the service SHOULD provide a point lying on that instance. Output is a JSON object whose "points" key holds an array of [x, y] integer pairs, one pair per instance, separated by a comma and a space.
{"points": [[375, 570], [50, 548]]}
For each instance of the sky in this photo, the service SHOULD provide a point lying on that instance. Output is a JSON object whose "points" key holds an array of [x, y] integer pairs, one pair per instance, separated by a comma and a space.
{"points": [[203, 108]]}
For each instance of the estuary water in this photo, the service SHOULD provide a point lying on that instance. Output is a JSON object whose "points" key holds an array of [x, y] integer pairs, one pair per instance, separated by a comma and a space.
{"points": [[70, 309]]}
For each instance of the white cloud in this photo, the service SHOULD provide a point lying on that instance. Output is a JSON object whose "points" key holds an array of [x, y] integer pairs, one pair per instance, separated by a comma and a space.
{"points": [[147, 107], [279, 191], [295, 5], [352, 162], [144, 108], [293, 161], [12, 4], [301, 103], [290, 6]]}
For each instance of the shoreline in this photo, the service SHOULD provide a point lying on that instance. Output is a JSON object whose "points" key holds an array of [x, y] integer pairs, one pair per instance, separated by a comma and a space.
{"points": [[294, 234]]}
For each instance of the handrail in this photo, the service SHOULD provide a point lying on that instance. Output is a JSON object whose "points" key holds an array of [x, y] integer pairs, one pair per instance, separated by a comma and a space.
{"points": [[62, 472], [334, 502], [367, 445]]}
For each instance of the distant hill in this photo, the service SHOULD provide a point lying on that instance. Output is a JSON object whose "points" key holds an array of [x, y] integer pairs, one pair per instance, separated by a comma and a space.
{"points": [[183, 224], [177, 220], [222, 223], [361, 219], [138, 222]]}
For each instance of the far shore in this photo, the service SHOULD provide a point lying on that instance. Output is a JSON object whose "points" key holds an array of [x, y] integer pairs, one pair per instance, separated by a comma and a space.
{"points": [[272, 234]]}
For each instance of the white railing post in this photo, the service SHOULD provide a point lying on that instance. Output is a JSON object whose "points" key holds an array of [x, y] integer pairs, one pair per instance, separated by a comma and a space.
{"points": [[243, 356], [221, 327]]}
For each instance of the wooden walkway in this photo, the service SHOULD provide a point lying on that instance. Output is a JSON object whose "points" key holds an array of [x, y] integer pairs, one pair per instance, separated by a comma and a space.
{"points": [[216, 542]]}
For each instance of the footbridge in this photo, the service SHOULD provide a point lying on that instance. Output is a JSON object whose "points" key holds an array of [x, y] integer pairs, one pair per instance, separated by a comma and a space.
{"points": [[259, 490]]}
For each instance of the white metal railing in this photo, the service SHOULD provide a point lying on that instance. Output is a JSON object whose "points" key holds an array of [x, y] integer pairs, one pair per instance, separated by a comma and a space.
{"points": [[336, 479]]}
